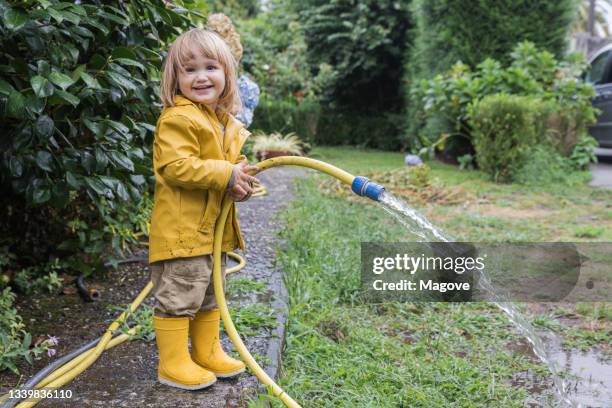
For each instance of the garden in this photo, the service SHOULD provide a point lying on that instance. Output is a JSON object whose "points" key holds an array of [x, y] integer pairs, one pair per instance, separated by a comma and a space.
{"points": [[493, 118]]}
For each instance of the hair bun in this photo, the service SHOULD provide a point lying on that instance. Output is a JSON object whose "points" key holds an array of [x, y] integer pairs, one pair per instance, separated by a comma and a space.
{"points": [[223, 25]]}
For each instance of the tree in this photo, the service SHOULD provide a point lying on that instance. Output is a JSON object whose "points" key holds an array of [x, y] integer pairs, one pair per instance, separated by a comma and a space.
{"points": [[364, 42]]}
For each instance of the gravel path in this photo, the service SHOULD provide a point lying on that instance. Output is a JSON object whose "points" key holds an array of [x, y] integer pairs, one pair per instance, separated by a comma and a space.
{"points": [[126, 375]]}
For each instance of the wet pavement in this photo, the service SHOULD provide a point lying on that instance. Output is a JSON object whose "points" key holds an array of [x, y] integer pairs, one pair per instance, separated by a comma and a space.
{"points": [[602, 170], [589, 373], [125, 376]]}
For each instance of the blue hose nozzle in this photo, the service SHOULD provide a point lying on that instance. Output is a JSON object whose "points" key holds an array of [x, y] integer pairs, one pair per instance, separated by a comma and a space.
{"points": [[366, 188]]}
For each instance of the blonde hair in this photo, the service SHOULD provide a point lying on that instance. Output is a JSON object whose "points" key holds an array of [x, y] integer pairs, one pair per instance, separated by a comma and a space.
{"points": [[223, 25], [212, 46]]}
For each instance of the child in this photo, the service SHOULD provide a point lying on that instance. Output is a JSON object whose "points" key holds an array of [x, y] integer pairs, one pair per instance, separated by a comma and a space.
{"points": [[196, 162]]}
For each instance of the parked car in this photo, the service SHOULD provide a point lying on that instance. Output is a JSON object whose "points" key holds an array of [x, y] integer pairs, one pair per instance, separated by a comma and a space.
{"points": [[600, 75]]}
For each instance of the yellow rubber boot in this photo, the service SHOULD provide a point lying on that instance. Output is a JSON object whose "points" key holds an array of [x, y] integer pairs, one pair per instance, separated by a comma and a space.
{"points": [[206, 347], [175, 366]]}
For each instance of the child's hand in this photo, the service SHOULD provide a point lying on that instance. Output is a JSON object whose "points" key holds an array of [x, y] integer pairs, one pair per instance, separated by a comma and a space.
{"points": [[240, 187]]}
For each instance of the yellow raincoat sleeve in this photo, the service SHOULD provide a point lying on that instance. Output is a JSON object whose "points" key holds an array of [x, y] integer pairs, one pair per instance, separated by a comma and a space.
{"points": [[177, 152]]}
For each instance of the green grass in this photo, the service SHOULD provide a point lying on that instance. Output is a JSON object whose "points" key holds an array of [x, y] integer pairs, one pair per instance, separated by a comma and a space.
{"points": [[344, 352], [241, 285], [252, 320], [498, 212]]}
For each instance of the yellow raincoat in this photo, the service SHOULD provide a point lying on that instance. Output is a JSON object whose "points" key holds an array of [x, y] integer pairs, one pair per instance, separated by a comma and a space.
{"points": [[193, 164]]}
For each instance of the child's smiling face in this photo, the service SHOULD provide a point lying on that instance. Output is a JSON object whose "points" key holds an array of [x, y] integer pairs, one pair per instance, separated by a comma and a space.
{"points": [[202, 80]]}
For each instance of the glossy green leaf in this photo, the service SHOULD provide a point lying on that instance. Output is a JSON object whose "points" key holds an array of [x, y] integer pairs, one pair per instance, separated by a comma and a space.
{"points": [[68, 97], [90, 81], [5, 87], [113, 17], [73, 181], [88, 162], [126, 61], [44, 126], [15, 19], [118, 126], [15, 106], [101, 159], [40, 192], [121, 160], [97, 25], [76, 73], [61, 80], [16, 166], [82, 31], [123, 52], [41, 86], [73, 18], [97, 61], [137, 179], [44, 160], [122, 191], [97, 185], [120, 80], [57, 16], [35, 105]]}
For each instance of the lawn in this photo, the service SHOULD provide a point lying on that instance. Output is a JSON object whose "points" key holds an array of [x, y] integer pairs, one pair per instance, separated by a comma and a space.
{"points": [[344, 352]]}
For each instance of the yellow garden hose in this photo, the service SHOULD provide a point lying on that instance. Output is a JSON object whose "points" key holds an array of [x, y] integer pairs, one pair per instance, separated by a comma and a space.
{"points": [[228, 324], [69, 366], [73, 368], [74, 362], [82, 363]]}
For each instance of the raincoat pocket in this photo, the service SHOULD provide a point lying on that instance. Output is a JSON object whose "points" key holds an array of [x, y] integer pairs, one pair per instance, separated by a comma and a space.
{"points": [[210, 212]]}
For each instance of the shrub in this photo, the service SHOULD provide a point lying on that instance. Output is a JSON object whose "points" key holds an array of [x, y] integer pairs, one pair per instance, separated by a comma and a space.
{"points": [[532, 72], [442, 38], [504, 129], [78, 103], [380, 130], [288, 115], [364, 42], [543, 165], [584, 152]]}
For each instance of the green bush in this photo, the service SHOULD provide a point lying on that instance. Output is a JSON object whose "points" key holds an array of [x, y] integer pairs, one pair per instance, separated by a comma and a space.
{"points": [[531, 72], [78, 104], [543, 165], [442, 38], [288, 115], [584, 152], [382, 130], [504, 129], [316, 125]]}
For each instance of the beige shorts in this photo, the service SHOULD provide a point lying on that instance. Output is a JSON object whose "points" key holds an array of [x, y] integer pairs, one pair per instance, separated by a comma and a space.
{"points": [[184, 286]]}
